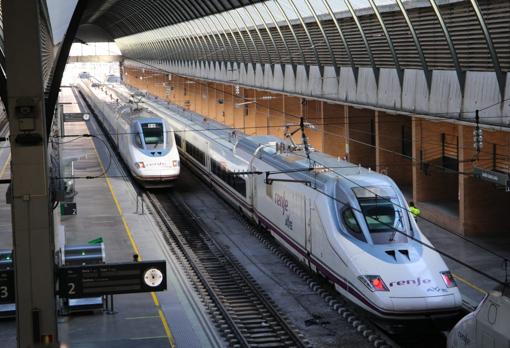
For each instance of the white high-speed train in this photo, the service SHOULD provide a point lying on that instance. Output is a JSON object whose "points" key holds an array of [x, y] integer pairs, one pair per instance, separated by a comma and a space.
{"points": [[145, 141], [340, 219]]}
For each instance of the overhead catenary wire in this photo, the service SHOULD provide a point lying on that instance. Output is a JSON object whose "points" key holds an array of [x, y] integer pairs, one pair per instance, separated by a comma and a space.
{"points": [[468, 240], [439, 115], [386, 199], [337, 135], [349, 123], [414, 160], [332, 169]]}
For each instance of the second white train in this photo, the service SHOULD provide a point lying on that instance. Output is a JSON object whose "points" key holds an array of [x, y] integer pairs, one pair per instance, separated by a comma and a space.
{"points": [[144, 140]]}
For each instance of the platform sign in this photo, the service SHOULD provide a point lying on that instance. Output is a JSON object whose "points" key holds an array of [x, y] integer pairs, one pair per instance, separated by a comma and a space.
{"points": [[113, 278], [76, 116], [7, 286], [497, 178], [68, 208]]}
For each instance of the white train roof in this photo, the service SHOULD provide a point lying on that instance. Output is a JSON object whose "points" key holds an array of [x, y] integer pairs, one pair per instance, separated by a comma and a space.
{"points": [[325, 167]]}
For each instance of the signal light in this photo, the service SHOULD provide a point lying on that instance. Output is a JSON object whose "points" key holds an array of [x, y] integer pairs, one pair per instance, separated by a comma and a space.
{"points": [[373, 282], [139, 165], [175, 163], [448, 279]]}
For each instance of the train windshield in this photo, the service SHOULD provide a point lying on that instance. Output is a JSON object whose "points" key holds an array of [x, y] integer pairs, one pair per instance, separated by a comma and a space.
{"points": [[153, 134], [383, 214]]}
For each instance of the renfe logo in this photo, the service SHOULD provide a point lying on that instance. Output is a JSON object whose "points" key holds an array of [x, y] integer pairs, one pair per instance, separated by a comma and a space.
{"points": [[282, 202], [416, 282]]}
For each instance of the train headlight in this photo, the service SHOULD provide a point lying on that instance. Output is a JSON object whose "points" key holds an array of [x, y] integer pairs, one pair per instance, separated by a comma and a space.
{"points": [[175, 163], [139, 165], [373, 283], [448, 279]]}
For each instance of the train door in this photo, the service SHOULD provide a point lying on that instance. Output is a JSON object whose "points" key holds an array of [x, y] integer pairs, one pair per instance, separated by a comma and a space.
{"points": [[254, 188], [308, 231]]}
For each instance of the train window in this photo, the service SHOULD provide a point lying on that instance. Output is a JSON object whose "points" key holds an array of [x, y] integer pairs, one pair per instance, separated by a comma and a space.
{"points": [[196, 153], [383, 216], [237, 182], [240, 184], [152, 133], [352, 225], [178, 139], [138, 141]]}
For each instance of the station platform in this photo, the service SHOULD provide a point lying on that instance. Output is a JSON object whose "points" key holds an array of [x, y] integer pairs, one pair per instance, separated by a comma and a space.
{"points": [[107, 209]]}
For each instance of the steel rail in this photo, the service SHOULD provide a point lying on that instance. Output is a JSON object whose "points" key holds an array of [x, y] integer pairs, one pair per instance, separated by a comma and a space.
{"points": [[184, 231]]}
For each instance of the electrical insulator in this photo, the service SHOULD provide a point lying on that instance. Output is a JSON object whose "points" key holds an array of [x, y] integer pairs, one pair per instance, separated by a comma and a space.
{"points": [[237, 90], [478, 139]]}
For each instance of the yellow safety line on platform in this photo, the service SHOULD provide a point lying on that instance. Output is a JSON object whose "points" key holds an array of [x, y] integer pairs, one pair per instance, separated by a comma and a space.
{"points": [[5, 166], [164, 321], [146, 338], [468, 283], [144, 317]]}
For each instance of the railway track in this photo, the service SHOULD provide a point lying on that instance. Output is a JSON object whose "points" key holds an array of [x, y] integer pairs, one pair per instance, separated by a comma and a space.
{"points": [[240, 309]]}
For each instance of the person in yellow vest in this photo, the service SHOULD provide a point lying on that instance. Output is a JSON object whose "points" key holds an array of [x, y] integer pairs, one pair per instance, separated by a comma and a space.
{"points": [[415, 211]]}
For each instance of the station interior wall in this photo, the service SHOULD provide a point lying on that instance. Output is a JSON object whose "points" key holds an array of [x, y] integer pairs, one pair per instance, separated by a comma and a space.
{"points": [[430, 160]]}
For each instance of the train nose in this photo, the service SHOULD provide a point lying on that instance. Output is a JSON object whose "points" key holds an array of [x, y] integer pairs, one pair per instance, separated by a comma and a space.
{"points": [[428, 291], [426, 303]]}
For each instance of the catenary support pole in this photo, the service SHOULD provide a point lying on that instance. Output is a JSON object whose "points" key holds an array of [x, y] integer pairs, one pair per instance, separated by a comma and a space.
{"points": [[31, 208]]}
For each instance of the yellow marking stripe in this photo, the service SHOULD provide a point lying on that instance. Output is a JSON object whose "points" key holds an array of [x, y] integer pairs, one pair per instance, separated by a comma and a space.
{"points": [[5, 166], [168, 332], [468, 283], [144, 317], [146, 338]]}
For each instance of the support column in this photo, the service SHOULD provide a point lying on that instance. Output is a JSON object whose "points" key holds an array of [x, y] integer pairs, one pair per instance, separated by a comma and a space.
{"points": [[250, 112], [220, 103], [312, 111], [482, 204], [276, 123], [435, 176], [293, 112], [211, 100], [239, 109], [229, 105], [262, 114], [194, 94], [334, 130], [362, 137], [31, 206], [393, 148]]}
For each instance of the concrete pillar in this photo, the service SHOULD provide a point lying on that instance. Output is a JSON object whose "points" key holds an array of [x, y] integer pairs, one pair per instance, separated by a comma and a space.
{"points": [[250, 112], [32, 221], [293, 112], [220, 102], [436, 188], [211, 100], [229, 105], [394, 148], [482, 204], [362, 137], [262, 114], [276, 122], [203, 107], [240, 109], [313, 113], [333, 129], [193, 94]]}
